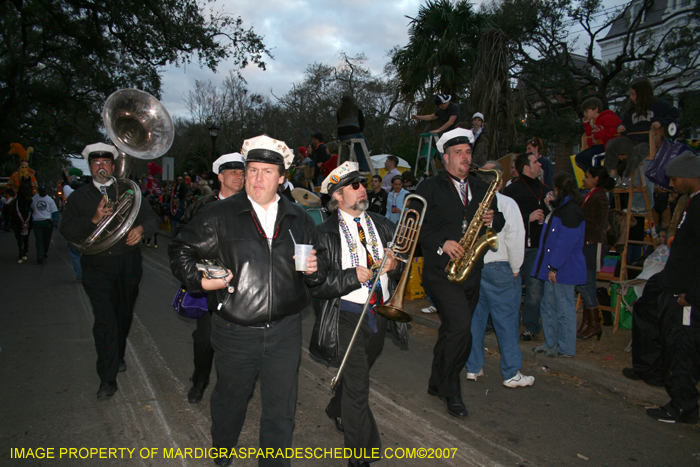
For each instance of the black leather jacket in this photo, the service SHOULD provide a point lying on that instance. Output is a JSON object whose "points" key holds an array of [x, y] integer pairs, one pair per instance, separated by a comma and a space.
{"points": [[268, 288], [339, 282]]}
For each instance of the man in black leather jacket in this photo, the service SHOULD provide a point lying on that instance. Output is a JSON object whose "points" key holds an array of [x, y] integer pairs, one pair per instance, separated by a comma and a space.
{"points": [[453, 199], [230, 169], [256, 330], [340, 299]]}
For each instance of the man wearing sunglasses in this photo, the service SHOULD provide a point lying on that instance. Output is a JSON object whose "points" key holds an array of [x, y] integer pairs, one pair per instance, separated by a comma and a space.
{"points": [[356, 240]]}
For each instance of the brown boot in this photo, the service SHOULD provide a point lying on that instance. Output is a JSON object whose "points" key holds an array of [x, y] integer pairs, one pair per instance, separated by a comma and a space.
{"points": [[583, 329], [592, 316]]}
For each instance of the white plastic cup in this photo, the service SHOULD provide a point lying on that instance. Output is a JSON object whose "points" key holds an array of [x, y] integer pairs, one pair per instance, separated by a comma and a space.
{"points": [[301, 253]]}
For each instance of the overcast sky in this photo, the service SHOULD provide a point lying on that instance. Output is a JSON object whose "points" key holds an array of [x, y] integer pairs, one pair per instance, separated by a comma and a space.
{"points": [[303, 32], [299, 33]]}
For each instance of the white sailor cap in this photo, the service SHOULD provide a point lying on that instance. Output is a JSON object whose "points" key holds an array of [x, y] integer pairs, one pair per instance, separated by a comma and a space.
{"points": [[453, 138], [228, 161], [268, 150]]}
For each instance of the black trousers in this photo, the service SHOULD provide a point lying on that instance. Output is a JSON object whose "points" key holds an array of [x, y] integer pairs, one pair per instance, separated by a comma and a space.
{"points": [[646, 333], [112, 284], [351, 399], [203, 352], [681, 355], [456, 304], [42, 234], [242, 355]]}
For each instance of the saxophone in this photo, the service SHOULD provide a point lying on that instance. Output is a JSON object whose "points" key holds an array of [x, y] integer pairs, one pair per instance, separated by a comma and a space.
{"points": [[474, 246]]}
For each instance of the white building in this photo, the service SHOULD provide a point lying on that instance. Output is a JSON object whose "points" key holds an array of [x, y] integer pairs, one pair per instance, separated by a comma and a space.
{"points": [[657, 20]]}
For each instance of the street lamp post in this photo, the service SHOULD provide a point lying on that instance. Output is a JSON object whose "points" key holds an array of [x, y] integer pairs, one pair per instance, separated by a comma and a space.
{"points": [[213, 132]]}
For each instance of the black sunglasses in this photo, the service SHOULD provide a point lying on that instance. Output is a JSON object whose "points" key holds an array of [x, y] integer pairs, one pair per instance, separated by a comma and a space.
{"points": [[356, 184]]}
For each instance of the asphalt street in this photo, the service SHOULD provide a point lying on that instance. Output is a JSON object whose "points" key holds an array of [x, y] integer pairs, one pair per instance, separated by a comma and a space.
{"points": [[48, 386]]}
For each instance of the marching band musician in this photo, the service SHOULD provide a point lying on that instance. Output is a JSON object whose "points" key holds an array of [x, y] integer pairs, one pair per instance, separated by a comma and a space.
{"points": [[355, 240], [256, 328], [110, 278], [453, 197], [230, 169]]}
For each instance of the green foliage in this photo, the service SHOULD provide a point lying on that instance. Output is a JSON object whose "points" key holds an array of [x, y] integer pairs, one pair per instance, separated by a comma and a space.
{"points": [[61, 59], [441, 50]]}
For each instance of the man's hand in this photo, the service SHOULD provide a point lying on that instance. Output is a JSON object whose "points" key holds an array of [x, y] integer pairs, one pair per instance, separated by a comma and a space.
{"points": [[135, 235], [395, 210], [391, 261], [363, 274], [435, 132], [655, 126], [537, 215], [415, 117], [552, 277], [682, 301], [216, 284], [311, 263], [102, 211], [488, 218], [621, 129], [453, 249]]}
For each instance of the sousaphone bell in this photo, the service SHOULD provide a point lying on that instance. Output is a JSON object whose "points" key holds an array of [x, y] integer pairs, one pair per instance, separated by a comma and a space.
{"points": [[141, 127]]}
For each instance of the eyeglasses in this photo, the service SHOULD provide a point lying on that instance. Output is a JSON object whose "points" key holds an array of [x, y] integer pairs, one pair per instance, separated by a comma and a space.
{"points": [[356, 184], [98, 163]]}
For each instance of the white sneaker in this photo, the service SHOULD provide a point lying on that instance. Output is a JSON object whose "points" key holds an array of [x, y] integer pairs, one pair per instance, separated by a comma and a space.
{"points": [[430, 309], [519, 380], [473, 376]]}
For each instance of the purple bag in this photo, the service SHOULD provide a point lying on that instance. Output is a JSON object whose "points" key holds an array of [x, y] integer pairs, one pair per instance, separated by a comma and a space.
{"points": [[656, 172], [190, 305]]}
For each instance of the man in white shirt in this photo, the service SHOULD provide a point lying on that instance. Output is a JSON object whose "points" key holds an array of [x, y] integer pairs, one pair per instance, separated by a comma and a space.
{"points": [[45, 218], [256, 325], [390, 165], [500, 293], [356, 240]]}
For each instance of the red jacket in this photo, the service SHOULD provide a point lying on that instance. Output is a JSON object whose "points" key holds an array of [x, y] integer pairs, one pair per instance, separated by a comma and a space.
{"points": [[328, 166], [603, 128]]}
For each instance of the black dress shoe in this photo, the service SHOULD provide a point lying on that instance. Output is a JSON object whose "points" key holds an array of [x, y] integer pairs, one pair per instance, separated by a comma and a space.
{"points": [[197, 392], [357, 463], [122, 366], [631, 374], [107, 389], [338, 421], [223, 461], [636, 376], [454, 404]]}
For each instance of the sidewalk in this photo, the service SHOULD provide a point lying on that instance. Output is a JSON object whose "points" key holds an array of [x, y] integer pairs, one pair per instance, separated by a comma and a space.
{"points": [[598, 363]]}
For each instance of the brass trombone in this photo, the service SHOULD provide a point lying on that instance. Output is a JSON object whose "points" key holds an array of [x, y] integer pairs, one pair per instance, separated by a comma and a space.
{"points": [[402, 247]]}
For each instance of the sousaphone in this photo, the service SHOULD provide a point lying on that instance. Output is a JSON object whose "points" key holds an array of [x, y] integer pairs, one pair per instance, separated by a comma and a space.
{"points": [[139, 126]]}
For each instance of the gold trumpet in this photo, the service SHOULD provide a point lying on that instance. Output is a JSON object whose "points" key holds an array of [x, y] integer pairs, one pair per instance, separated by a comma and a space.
{"points": [[402, 247]]}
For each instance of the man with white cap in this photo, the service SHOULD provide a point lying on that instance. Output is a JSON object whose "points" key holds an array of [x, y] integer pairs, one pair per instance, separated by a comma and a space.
{"points": [[256, 325], [453, 198], [447, 111], [230, 169], [481, 140], [110, 278], [355, 240], [666, 332]]}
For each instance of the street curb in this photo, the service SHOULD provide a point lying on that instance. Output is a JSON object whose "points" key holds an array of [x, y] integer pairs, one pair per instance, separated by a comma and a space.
{"points": [[599, 377]]}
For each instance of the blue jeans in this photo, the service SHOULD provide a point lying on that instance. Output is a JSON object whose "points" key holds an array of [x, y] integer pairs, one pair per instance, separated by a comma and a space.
{"points": [[499, 290], [559, 317], [359, 152], [533, 293], [584, 159], [75, 259]]}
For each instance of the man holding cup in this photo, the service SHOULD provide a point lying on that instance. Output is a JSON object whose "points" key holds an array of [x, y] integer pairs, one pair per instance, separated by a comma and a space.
{"points": [[256, 330], [355, 240]]}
